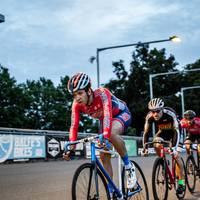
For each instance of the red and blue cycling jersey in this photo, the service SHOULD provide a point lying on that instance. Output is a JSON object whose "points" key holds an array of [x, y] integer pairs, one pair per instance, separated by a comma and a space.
{"points": [[105, 107]]}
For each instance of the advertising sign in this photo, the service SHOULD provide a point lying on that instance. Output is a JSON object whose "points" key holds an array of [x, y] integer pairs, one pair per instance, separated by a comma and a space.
{"points": [[21, 147], [53, 147], [131, 147]]}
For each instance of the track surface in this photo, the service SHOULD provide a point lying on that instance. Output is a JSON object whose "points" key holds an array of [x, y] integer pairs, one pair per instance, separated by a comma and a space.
{"points": [[52, 180]]}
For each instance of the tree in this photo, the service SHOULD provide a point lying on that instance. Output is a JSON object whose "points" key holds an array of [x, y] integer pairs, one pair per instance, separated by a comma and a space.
{"points": [[189, 79], [46, 105], [133, 86], [12, 101]]}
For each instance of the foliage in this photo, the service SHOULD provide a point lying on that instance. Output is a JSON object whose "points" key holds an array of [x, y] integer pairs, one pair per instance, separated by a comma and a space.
{"points": [[41, 105], [133, 86], [12, 101]]}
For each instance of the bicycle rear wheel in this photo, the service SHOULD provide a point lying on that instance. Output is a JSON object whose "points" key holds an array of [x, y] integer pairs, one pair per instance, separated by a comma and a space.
{"points": [[159, 180], [190, 172], [83, 184], [180, 196], [141, 192]]}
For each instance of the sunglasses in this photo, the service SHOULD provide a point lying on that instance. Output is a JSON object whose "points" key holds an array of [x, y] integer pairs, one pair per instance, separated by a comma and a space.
{"points": [[155, 111]]}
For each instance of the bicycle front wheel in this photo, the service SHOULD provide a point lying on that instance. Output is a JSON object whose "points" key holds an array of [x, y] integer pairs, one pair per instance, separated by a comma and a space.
{"points": [[141, 192], [84, 187], [190, 173], [180, 196], [159, 180]]}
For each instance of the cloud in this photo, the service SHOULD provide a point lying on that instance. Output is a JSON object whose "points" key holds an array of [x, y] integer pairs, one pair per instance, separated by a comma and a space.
{"points": [[60, 36]]}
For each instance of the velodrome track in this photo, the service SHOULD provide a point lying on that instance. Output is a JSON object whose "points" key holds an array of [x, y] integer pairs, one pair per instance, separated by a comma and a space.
{"points": [[52, 180]]}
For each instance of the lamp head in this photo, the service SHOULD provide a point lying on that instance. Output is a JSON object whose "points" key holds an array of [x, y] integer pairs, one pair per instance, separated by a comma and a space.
{"points": [[175, 38], [2, 18]]}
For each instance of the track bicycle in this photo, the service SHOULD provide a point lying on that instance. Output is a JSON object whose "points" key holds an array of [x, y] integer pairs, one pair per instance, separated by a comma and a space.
{"points": [[164, 176], [192, 168], [90, 181]]}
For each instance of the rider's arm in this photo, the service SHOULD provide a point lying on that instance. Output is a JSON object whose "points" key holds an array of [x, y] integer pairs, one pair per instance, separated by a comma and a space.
{"points": [[179, 144], [107, 112], [75, 117], [147, 128], [197, 121], [184, 123]]}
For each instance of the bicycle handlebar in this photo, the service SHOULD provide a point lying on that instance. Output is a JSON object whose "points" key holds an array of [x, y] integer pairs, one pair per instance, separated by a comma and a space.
{"points": [[84, 140], [158, 142]]}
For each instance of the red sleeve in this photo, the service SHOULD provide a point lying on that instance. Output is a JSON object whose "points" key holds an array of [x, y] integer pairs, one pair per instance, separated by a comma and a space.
{"points": [[197, 121], [107, 113], [184, 123], [75, 117]]}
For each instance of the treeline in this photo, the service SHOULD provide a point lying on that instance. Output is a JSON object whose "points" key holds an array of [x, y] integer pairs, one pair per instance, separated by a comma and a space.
{"points": [[41, 105]]}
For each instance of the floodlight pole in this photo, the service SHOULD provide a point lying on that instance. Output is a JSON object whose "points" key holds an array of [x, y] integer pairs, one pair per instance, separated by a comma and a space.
{"points": [[151, 76], [182, 96]]}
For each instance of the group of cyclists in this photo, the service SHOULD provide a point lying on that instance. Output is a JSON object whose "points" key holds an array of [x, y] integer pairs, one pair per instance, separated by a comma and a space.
{"points": [[115, 118]]}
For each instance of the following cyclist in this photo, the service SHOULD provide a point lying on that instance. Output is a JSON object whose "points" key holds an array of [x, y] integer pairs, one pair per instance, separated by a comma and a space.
{"points": [[113, 115], [192, 125], [167, 128]]}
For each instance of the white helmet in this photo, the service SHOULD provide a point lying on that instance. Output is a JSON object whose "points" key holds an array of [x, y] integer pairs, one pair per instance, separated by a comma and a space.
{"points": [[155, 104]]}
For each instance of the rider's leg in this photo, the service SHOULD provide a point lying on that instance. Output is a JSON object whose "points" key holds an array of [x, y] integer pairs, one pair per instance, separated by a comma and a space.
{"points": [[187, 143], [179, 168], [157, 149], [106, 160], [198, 148], [119, 144], [116, 140]]}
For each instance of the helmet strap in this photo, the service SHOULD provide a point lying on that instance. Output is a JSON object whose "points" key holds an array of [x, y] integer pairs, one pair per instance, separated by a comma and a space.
{"points": [[89, 93]]}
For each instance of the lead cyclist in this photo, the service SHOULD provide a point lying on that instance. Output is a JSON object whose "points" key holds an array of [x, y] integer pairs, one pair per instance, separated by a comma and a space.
{"points": [[113, 114]]}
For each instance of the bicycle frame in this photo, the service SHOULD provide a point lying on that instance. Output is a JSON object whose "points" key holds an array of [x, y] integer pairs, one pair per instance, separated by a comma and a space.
{"points": [[98, 164], [170, 173], [165, 150]]}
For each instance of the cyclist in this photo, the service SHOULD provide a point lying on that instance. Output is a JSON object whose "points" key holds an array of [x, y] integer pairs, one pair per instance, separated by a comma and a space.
{"points": [[167, 128], [113, 115], [192, 125]]}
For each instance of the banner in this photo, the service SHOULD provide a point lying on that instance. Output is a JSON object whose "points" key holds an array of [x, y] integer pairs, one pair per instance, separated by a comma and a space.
{"points": [[21, 147], [55, 146], [131, 146]]}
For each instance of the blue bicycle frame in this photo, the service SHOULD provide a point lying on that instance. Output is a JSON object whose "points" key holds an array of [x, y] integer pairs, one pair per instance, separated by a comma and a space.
{"points": [[95, 161]]}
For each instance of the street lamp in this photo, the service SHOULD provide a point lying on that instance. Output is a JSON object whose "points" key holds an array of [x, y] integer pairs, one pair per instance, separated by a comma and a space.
{"points": [[172, 38], [151, 76], [182, 96], [2, 18]]}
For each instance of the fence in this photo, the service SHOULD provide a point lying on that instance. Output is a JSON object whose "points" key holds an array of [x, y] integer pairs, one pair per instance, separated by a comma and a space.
{"points": [[28, 144]]}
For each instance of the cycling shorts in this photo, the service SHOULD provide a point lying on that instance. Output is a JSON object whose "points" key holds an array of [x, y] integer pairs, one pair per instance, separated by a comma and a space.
{"points": [[124, 118]]}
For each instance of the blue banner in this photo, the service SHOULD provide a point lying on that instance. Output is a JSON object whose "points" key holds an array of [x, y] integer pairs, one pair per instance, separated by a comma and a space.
{"points": [[21, 147]]}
